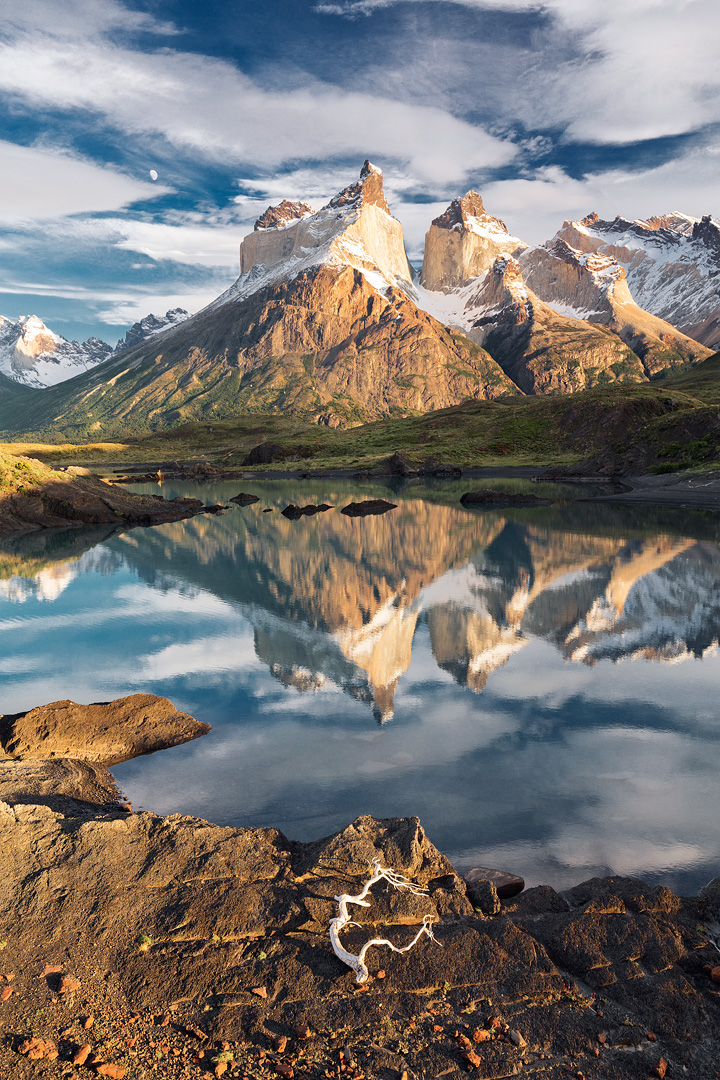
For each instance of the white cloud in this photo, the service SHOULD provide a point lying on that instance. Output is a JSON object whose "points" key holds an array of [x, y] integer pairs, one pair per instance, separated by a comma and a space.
{"points": [[534, 208], [176, 95], [88, 18], [641, 69], [40, 183]]}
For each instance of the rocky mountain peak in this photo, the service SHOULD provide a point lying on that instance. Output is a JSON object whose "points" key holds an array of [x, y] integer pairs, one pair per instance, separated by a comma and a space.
{"points": [[367, 191], [605, 270], [149, 326], [461, 210], [286, 212], [463, 243], [707, 230], [354, 229]]}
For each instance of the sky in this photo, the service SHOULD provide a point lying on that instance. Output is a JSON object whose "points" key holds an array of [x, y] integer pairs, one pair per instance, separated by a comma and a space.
{"points": [[140, 140]]}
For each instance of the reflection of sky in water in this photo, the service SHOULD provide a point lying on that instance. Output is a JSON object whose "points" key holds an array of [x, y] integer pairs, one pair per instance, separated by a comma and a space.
{"points": [[557, 769]]}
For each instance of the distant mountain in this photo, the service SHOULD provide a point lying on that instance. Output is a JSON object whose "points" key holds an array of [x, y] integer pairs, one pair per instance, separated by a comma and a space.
{"points": [[149, 327], [322, 323], [594, 287], [34, 355], [672, 264], [472, 280]]}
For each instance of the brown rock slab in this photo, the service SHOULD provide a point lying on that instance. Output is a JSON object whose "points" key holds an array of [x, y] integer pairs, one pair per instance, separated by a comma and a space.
{"points": [[108, 732], [81, 1054]]}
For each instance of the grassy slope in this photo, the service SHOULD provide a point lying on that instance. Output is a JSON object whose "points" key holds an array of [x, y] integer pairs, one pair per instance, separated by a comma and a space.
{"points": [[666, 424]]}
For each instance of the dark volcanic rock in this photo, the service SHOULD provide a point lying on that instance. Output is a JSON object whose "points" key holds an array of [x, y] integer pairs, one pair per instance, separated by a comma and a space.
{"points": [[494, 497], [294, 512], [370, 506], [506, 885], [265, 454], [107, 732], [400, 465], [245, 499], [277, 217]]}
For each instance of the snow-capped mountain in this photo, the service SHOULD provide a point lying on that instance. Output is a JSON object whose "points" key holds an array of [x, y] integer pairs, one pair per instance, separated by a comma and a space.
{"points": [[34, 355], [593, 286], [149, 327], [672, 264], [323, 322], [355, 229]]}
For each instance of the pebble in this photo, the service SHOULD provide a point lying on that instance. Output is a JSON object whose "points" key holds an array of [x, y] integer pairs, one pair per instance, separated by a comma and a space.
{"points": [[68, 983], [6, 993], [481, 1035], [259, 991], [472, 1058], [114, 1072], [50, 969], [281, 1043], [661, 1068], [284, 1070], [516, 1038], [303, 1032], [37, 1049], [81, 1055], [88, 1022]]}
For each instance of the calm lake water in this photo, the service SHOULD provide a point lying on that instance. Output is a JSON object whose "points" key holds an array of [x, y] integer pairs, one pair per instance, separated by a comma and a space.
{"points": [[540, 686]]}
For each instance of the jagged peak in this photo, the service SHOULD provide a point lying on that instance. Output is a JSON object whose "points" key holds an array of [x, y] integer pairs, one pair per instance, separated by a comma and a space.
{"points": [[594, 262], [282, 215], [367, 191], [468, 212]]}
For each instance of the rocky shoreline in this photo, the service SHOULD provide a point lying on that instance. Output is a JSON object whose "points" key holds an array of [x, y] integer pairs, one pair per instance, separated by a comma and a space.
{"points": [[79, 498], [140, 946]]}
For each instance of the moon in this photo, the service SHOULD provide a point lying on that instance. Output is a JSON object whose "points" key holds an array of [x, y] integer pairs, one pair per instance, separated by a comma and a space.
{"points": [[153, 175]]}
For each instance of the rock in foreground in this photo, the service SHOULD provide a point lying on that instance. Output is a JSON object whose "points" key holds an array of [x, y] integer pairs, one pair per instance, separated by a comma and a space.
{"points": [[108, 732], [219, 937], [33, 497]]}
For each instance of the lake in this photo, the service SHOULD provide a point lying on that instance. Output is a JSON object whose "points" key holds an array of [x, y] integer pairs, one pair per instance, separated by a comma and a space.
{"points": [[539, 685]]}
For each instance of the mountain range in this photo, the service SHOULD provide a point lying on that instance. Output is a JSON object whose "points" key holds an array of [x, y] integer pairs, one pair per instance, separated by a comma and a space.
{"points": [[329, 322]]}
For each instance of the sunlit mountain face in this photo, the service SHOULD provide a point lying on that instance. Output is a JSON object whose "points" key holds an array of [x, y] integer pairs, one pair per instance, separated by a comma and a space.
{"points": [[538, 685]]}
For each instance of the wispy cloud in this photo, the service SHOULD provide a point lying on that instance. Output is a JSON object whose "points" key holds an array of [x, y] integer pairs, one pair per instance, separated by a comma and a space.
{"points": [[40, 183]]}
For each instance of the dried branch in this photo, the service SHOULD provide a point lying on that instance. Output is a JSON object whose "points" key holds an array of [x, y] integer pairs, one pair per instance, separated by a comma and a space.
{"points": [[398, 881]]}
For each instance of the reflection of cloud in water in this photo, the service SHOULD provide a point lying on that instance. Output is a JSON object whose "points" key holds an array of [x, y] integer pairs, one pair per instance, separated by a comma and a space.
{"points": [[557, 769], [45, 585]]}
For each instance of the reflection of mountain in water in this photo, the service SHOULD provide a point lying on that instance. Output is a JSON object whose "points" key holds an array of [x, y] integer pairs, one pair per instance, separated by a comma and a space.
{"points": [[337, 602]]}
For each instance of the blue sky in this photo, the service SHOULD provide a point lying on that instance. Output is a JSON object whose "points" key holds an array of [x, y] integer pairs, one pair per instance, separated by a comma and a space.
{"points": [[550, 108]]}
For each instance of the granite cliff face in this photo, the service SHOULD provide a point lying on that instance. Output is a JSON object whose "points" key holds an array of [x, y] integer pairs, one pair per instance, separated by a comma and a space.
{"points": [[463, 243], [672, 264], [593, 286]]}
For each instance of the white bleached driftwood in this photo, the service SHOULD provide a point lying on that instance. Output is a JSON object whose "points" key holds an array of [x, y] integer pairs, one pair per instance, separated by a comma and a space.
{"points": [[357, 963]]}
